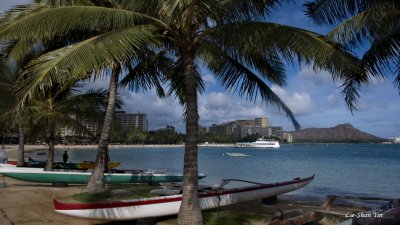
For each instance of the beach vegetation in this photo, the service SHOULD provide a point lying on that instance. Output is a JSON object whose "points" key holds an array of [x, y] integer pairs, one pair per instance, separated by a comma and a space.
{"points": [[233, 39]]}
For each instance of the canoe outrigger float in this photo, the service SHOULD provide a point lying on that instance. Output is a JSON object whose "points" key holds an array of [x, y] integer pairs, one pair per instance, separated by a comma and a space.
{"points": [[169, 205], [82, 177]]}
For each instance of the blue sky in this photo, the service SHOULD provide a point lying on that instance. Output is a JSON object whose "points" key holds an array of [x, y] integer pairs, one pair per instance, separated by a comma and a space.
{"points": [[313, 97]]}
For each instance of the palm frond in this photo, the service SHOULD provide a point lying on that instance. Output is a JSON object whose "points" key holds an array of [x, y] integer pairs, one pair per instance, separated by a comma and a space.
{"points": [[78, 61], [371, 25], [396, 82], [22, 50], [333, 11], [61, 21], [237, 77], [291, 43], [239, 10], [177, 82], [268, 64], [351, 32], [151, 70], [67, 2], [383, 55]]}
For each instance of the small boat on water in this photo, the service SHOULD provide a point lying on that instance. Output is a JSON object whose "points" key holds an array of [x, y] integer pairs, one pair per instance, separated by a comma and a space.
{"points": [[260, 143], [237, 154], [82, 177], [169, 205], [77, 166]]}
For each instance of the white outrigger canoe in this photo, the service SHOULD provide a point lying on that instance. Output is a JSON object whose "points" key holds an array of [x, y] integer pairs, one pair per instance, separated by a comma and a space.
{"points": [[169, 205]]}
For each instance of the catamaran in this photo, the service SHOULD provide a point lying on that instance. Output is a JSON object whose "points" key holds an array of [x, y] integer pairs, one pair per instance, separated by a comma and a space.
{"points": [[260, 143]]}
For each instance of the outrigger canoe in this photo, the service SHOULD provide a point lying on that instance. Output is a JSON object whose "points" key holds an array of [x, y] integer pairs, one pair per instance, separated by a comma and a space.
{"points": [[82, 177], [169, 205], [61, 165]]}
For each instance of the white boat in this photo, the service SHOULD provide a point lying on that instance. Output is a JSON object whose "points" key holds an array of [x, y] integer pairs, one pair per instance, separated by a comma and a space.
{"points": [[169, 205], [237, 154], [260, 143]]}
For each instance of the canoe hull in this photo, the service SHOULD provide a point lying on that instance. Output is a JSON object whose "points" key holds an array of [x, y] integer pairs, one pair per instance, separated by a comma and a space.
{"points": [[39, 176], [169, 205]]}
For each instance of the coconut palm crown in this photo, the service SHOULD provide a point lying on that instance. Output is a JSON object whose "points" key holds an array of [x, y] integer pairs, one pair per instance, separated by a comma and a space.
{"points": [[231, 38], [360, 23]]}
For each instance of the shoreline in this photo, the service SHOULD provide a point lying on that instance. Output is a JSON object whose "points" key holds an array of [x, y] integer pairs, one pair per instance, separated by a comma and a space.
{"points": [[12, 150]]}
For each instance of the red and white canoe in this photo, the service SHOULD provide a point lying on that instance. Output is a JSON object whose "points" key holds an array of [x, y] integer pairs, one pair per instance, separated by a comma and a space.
{"points": [[169, 205]]}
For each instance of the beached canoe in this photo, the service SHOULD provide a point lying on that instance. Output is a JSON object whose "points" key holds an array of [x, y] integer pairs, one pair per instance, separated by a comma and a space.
{"points": [[77, 166], [82, 177], [169, 205]]}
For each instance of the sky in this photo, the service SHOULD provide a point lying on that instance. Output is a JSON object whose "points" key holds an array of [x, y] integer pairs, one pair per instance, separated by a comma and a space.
{"points": [[313, 97]]}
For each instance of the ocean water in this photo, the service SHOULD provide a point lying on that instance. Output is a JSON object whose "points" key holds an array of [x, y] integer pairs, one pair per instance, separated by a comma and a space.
{"points": [[341, 169]]}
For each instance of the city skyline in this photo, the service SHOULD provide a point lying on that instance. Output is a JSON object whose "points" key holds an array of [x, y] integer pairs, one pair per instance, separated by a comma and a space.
{"points": [[313, 97]]}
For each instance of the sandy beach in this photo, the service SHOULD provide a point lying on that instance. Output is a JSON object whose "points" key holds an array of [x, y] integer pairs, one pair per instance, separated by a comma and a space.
{"points": [[25, 203]]}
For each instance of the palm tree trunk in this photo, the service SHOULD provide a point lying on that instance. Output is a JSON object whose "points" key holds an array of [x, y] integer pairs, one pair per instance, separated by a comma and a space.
{"points": [[190, 212], [50, 154], [96, 183], [21, 146]]}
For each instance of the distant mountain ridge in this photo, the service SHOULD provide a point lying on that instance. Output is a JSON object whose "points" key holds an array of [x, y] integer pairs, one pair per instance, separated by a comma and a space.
{"points": [[343, 133]]}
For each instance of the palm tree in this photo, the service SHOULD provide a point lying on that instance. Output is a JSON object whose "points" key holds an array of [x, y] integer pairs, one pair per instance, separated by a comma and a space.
{"points": [[96, 182], [372, 23], [231, 38], [56, 110]]}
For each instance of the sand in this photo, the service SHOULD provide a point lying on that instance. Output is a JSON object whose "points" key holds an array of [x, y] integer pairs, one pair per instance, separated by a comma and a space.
{"points": [[26, 203]]}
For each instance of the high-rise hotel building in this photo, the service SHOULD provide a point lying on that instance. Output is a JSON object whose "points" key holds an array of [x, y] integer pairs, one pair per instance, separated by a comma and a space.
{"points": [[131, 120]]}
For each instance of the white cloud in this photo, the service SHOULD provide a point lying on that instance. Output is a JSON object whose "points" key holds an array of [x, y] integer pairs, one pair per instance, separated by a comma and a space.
{"points": [[332, 100], [218, 107], [299, 102]]}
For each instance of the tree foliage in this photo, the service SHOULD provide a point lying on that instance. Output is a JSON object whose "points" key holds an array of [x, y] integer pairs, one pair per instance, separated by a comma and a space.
{"points": [[360, 23]]}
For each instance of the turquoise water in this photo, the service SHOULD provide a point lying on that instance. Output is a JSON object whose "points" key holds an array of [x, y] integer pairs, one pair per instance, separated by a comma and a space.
{"points": [[352, 169]]}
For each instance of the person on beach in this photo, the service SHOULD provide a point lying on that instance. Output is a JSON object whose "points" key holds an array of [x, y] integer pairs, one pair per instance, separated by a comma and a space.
{"points": [[65, 157], [3, 156]]}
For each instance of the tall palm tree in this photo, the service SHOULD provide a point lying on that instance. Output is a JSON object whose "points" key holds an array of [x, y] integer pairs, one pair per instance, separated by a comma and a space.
{"points": [[232, 38], [361, 23], [96, 182]]}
